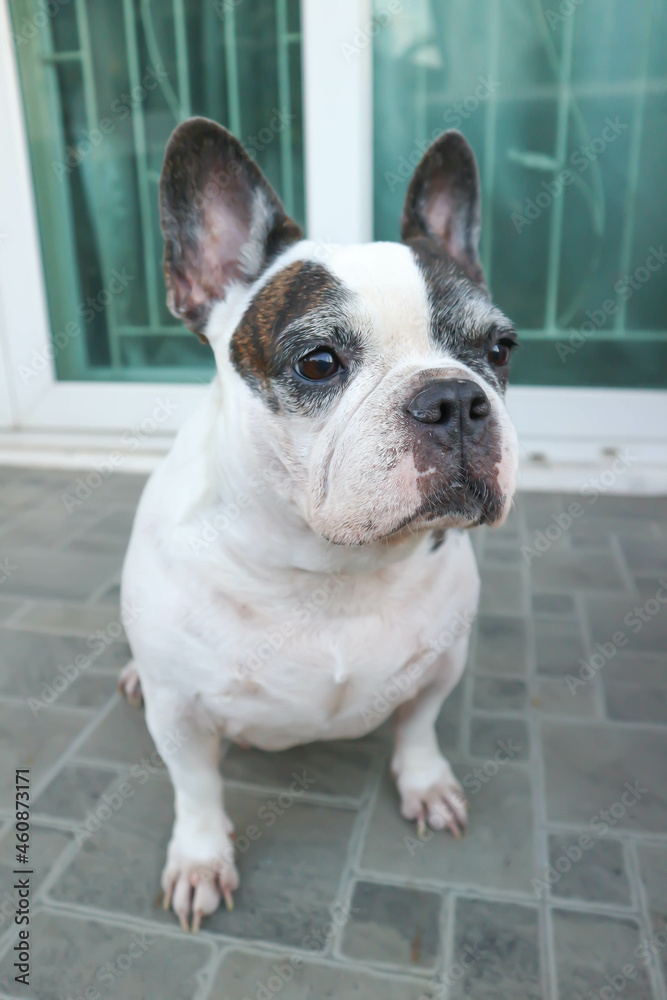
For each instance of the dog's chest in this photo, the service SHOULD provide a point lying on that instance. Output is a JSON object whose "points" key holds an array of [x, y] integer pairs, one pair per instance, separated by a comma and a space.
{"points": [[328, 669]]}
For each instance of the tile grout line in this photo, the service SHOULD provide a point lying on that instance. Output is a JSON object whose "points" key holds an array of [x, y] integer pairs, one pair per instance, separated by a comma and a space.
{"points": [[640, 895]]}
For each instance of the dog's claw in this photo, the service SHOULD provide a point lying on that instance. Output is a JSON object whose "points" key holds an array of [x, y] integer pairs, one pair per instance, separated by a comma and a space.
{"points": [[229, 900], [196, 921], [184, 922], [421, 828]]}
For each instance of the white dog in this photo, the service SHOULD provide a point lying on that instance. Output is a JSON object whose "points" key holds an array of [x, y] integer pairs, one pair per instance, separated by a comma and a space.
{"points": [[299, 552]]}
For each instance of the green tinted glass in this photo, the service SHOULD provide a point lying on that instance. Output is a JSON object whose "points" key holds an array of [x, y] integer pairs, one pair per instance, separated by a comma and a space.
{"points": [[565, 104], [104, 83]]}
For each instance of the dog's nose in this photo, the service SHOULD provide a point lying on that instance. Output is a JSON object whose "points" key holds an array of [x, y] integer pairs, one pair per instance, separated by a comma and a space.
{"points": [[449, 404]]}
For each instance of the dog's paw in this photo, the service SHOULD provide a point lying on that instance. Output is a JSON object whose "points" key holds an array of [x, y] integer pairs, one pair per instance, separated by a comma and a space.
{"points": [[194, 888], [129, 684], [430, 794]]}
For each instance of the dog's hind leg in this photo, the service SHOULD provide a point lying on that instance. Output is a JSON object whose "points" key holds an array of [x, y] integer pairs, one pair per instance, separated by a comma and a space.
{"points": [[430, 794], [129, 684]]}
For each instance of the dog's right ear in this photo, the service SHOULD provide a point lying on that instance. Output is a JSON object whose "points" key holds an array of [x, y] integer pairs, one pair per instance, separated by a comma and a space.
{"points": [[222, 221]]}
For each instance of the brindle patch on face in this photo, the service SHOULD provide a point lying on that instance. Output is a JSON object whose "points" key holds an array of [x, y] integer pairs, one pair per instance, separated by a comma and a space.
{"points": [[463, 319], [302, 290]]}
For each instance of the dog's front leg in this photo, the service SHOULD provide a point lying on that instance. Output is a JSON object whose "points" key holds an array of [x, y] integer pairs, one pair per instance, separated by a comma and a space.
{"points": [[429, 791], [200, 858]]}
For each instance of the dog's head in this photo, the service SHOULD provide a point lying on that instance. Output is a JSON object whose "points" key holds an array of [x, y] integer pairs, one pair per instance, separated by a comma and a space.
{"points": [[375, 374]]}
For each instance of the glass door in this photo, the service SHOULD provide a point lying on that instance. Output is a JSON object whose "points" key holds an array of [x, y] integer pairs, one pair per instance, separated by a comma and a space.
{"points": [[565, 104], [103, 83]]}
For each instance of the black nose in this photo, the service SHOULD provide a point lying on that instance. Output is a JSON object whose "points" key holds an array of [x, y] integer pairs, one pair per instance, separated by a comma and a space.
{"points": [[451, 404]]}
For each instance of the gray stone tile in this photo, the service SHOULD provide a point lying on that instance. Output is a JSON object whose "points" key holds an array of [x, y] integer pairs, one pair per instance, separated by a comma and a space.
{"points": [[631, 703], [94, 959], [503, 591], [653, 868], [93, 544], [290, 874], [539, 508], [589, 867], [644, 627], [649, 586], [554, 697], [499, 946], [73, 791], [630, 507], [38, 530], [335, 768], [588, 766], [646, 556], [558, 647], [594, 953], [121, 736], [65, 576], [498, 694], [603, 528], [9, 606], [245, 975], [393, 925], [496, 851], [290, 857], [43, 653], [637, 668], [562, 569], [122, 852], [448, 725], [46, 846], [34, 742], [46, 679], [488, 734], [501, 646], [64, 619], [561, 605]]}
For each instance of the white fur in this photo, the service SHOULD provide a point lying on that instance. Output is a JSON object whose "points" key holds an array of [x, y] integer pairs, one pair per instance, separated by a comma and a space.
{"points": [[246, 622]]}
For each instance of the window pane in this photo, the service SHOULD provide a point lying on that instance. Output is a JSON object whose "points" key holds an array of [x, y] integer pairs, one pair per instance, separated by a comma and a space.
{"points": [[565, 105], [104, 83]]}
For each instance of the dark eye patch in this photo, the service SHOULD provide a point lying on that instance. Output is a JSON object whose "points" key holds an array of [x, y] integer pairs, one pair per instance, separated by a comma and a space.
{"points": [[302, 308]]}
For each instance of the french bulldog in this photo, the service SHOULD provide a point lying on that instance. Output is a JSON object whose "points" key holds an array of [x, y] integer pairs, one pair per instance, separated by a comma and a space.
{"points": [[301, 551]]}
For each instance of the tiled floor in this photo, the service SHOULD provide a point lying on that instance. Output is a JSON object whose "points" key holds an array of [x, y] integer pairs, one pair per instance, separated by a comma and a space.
{"points": [[558, 890]]}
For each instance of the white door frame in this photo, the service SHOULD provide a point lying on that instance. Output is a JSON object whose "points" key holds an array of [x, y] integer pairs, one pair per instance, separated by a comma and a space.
{"points": [[557, 426]]}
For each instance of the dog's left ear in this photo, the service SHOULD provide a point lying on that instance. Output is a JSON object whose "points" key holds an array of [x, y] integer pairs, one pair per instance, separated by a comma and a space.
{"points": [[443, 202], [222, 221]]}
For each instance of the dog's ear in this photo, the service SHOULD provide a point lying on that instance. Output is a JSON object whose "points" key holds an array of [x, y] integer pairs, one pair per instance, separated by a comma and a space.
{"points": [[222, 221], [443, 202]]}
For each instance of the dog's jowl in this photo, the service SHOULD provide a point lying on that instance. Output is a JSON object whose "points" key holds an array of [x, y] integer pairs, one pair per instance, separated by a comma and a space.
{"points": [[302, 551]]}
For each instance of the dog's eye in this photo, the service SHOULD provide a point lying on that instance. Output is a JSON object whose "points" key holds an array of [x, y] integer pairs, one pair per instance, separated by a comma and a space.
{"points": [[499, 354], [318, 365]]}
